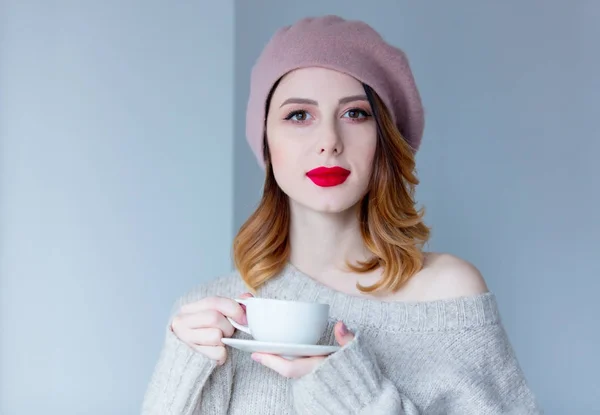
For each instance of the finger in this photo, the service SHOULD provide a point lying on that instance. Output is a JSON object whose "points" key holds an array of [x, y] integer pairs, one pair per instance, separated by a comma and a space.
{"points": [[206, 337], [342, 334], [291, 369], [217, 353], [202, 319], [246, 295], [225, 306]]}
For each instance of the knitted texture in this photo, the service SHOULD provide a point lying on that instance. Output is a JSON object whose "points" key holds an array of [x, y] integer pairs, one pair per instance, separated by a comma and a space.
{"points": [[439, 357], [348, 46]]}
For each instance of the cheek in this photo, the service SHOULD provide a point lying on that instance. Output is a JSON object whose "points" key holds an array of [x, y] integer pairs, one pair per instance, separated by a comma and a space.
{"points": [[371, 144], [278, 150], [360, 140], [280, 155], [276, 154], [364, 151], [369, 147], [283, 158]]}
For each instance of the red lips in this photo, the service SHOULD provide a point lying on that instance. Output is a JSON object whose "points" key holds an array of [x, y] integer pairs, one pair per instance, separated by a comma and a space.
{"points": [[328, 176]]}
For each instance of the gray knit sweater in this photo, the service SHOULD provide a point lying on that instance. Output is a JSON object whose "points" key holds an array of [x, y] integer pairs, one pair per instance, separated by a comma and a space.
{"points": [[438, 357]]}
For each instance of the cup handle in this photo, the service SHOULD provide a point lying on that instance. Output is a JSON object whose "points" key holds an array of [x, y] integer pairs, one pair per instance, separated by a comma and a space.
{"points": [[239, 326]]}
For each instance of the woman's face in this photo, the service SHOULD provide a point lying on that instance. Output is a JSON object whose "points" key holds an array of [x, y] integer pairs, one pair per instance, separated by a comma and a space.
{"points": [[322, 139]]}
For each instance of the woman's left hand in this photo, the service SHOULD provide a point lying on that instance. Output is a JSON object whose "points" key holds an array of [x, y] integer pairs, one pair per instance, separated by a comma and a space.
{"points": [[302, 366]]}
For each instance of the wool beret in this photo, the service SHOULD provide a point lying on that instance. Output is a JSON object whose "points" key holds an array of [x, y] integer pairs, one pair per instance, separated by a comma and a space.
{"points": [[348, 46]]}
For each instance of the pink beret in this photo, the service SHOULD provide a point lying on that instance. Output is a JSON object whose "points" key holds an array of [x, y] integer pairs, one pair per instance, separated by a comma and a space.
{"points": [[351, 47]]}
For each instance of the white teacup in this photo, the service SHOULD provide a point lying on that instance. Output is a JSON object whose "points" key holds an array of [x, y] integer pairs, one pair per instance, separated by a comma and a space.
{"points": [[280, 321]]}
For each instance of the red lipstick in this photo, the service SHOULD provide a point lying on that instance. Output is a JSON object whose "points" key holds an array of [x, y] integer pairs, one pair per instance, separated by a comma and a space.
{"points": [[328, 176]]}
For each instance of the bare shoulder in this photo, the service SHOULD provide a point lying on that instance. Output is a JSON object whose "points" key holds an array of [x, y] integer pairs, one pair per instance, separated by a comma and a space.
{"points": [[447, 276]]}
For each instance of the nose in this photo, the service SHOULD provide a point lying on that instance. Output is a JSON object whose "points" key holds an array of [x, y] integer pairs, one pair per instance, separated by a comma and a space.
{"points": [[330, 142]]}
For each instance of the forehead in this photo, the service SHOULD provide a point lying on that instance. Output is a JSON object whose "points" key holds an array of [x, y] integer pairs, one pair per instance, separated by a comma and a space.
{"points": [[315, 83]]}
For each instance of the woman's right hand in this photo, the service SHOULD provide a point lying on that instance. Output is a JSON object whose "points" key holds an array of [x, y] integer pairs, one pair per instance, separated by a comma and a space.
{"points": [[202, 324]]}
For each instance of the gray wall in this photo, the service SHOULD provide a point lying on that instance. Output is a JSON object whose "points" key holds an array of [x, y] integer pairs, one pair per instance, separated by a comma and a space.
{"points": [[115, 191], [508, 164]]}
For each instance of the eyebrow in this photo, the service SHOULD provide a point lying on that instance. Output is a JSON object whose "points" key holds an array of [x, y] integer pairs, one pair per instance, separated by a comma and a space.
{"points": [[313, 102]]}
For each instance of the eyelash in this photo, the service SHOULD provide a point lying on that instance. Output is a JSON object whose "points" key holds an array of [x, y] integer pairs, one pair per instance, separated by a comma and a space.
{"points": [[363, 112]]}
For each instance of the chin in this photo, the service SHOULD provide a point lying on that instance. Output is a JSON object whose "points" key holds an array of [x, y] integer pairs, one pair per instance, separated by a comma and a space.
{"points": [[332, 200], [330, 204], [330, 208]]}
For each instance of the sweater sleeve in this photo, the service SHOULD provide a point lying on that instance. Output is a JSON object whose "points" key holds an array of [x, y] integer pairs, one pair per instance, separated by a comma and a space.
{"points": [[349, 382], [476, 373], [178, 379], [185, 382]]}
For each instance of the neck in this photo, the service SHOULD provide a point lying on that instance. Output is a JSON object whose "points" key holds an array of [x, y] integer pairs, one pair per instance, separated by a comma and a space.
{"points": [[323, 242]]}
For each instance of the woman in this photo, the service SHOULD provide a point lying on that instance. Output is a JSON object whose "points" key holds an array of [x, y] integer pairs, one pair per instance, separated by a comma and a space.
{"points": [[335, 118]]}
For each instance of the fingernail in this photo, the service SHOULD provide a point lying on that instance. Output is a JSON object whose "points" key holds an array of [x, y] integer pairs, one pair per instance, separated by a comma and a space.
{"points": [[343, 329], [256, 358]]}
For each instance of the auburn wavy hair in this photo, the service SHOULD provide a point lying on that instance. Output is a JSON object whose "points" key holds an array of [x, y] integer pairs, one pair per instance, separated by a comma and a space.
{"points": [[392, 228]]}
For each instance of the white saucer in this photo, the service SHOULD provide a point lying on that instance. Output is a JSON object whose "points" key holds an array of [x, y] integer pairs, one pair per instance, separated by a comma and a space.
{"points": [[289, 351]]}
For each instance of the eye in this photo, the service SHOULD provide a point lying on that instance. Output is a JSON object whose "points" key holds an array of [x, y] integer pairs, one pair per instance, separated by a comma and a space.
{"points": [[356, 113], [298, 116]]}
